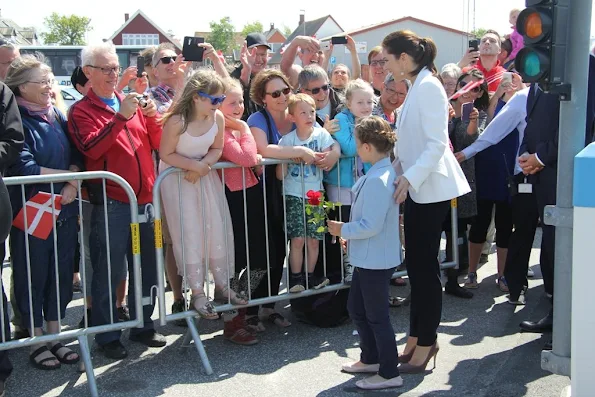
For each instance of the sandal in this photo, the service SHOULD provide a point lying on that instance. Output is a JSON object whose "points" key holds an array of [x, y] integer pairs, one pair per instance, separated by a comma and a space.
{"points": [[277, 319], [40, 364], [67, 357], [395, 301], [254, 324], [203, 307], [226, 295]]}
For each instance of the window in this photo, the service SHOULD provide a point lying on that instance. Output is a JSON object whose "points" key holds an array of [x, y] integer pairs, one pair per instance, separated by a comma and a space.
{"points": [[140, 39]]}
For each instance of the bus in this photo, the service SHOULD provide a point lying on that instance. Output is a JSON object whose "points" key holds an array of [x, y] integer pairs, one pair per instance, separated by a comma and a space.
{"points": [[64, 58]]}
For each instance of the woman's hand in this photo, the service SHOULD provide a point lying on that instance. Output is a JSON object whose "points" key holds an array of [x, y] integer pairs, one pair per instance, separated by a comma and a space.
{"points": [[192, 176], [451, 112], [334, 227], [68, 193], [474, 115], [402, 185], [331, 126], [308, 156], [201, 168], [326, 161]]}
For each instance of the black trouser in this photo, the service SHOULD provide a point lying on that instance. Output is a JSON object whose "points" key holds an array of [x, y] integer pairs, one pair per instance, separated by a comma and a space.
{"points": [[423, 229], [524, 217], [5, 223], [502, 219]]}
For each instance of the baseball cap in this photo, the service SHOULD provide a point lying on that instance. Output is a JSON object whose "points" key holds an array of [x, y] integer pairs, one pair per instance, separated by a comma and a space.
{"points": [[78, 77], [256, 40]]}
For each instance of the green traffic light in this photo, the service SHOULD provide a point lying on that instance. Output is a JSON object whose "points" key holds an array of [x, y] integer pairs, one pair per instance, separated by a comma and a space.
{"points": [[532, 65]]}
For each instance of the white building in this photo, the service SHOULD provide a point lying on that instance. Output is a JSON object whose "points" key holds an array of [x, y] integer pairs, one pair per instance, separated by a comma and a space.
{"points": [[451, 43]]}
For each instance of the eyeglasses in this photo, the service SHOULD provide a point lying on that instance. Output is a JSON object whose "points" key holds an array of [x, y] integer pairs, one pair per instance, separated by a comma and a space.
{"points": [[276, 94], [316, 90], [379, 63], [394, 92], [474, 90], [107, 71], [166, 60], [215, 100], [48, 82]]}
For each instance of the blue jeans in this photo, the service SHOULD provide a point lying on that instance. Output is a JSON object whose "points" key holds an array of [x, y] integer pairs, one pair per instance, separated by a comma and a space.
{"points": [[120, 244], [368, 308]]}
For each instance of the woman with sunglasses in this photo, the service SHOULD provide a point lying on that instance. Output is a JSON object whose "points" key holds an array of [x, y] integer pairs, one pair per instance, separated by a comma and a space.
{"points": [[271, 89], [192, 140], [464, 128]]}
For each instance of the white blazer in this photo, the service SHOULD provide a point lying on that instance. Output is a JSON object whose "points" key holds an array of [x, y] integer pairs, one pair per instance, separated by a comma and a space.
{"points": [[422, 151]]}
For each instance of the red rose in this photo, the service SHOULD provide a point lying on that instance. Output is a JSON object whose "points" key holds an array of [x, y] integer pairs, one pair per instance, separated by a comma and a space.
{"points": [[314, 197]]}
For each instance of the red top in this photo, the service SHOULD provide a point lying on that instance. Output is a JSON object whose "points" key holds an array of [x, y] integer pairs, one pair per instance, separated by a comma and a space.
{"points": [[111, 143], [242, 152], [492, 76]]}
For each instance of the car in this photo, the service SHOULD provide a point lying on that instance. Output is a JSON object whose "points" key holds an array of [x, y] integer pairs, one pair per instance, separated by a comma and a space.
{"points": [[70, 95]]}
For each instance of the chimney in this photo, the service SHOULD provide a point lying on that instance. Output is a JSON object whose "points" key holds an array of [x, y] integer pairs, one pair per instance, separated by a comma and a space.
{"points": [[126, 17], [302, 17], [272, 26]]}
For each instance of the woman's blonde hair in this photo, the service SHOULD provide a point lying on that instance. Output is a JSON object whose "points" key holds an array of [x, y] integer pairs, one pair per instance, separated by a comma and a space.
{"points": [[357, 85], [21, 69], [202, 80], [233, 84], [376, 131]]}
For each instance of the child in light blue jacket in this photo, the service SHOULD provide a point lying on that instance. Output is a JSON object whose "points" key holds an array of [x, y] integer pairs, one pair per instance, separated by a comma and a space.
{"points": [[372, 234]]}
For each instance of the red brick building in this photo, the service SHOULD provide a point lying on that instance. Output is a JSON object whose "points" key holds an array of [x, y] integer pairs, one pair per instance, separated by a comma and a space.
{"points": [[139, 30]]}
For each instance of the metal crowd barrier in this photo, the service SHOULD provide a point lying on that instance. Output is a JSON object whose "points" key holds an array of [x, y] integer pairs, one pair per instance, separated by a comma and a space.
{"points": [[190, 315], [81, 334]]}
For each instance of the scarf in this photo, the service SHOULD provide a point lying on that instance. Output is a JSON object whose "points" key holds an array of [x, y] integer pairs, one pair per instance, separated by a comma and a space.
{"points": [[36, 109]]}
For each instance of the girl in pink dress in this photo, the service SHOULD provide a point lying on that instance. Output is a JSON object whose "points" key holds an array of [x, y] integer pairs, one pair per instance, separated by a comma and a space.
{"points": [[192, 140]]}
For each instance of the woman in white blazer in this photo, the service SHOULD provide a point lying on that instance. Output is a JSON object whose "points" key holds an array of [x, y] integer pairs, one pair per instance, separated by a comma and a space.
{"points": [[430, 178]]}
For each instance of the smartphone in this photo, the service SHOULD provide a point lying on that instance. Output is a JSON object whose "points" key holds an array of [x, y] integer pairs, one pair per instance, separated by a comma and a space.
{"points": [[191, 51], [474, 44], [507, 78], [339, 40], [467, 109], [325, 45], [140, 66]]}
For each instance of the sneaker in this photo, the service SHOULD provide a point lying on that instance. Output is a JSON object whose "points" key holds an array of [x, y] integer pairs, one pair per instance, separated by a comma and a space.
{"points": [[179, 306], [123, 313], [530, 273], [114, 350], [20, 332], [149, 338], [472, 281], [234, 331], [296, 283], [520, 301], [317, 282], [502, 284]]}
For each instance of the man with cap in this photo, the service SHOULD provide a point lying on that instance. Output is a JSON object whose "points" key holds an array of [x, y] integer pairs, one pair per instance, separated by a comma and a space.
{"points": [[79, 81], [254, 57]]}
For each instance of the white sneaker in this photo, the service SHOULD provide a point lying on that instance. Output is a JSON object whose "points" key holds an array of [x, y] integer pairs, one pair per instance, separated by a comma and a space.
{"points": [[377, 382], [359, 367], [530, 273]]}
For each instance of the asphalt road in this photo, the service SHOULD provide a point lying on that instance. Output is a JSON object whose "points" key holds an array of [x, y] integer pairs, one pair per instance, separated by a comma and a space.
{"points": [[482, 355]]}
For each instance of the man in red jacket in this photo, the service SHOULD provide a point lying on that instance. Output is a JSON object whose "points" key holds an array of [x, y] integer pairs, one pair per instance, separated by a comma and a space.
{"points": [[116, 133]]}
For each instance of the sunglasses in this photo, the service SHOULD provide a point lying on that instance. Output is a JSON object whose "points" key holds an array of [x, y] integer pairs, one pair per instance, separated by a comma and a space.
{"points": [[474, 89], [276, 94], [215, 100], [167, 60], [316, 90]]}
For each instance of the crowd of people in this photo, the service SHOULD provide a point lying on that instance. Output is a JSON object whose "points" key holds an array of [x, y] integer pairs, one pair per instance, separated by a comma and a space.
{"points": [[393, 149]]}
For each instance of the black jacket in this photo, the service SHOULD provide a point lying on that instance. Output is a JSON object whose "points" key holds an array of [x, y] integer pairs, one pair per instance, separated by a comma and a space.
{"points": [[11, 128]]}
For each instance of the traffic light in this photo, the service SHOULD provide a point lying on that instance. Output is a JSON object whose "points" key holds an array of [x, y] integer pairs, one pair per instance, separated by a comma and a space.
{"points": [[544, 27]]}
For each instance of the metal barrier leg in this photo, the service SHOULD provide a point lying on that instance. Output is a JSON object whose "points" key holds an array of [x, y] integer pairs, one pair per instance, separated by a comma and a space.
{"points": [[86, 354], [199, 346]]}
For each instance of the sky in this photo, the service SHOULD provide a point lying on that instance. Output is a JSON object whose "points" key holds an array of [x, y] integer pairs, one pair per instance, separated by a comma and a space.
{"points": [[186, 18]]}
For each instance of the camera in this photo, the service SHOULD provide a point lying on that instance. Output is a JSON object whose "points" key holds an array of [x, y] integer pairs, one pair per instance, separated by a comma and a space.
{"points": [[142, 101]]}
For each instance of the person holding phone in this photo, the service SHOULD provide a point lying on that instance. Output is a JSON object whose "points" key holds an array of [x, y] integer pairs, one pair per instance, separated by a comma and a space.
{"points": [[490, 47], [340, 75], [470, 119]]}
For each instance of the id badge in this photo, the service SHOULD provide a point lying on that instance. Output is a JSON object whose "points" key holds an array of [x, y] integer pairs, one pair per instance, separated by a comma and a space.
{"points": [[525, 187]]}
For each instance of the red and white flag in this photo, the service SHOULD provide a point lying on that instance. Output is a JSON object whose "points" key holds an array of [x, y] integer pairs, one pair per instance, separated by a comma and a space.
{"points": [[39, 215], [468, 87]]}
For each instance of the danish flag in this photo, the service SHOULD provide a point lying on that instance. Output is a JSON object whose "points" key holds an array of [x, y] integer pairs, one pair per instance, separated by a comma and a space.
{"points": [[39, 215], [468, 87]]}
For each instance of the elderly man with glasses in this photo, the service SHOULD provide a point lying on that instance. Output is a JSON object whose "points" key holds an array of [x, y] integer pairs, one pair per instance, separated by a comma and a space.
{"points": [[8, 53], [117, 133]]}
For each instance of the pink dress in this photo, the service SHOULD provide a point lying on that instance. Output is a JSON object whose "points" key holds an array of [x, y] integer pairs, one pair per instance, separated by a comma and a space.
{"points": [[204, 217]]}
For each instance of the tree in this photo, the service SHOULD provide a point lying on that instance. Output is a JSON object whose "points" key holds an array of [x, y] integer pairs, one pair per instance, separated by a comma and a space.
{"points": [[252, 27], [479, 32], [66, 30], [287, 31], [222, 35]]}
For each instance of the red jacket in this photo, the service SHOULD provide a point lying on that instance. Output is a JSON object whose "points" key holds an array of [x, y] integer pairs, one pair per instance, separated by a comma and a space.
{"points": [[493, 76], [109, 142]]}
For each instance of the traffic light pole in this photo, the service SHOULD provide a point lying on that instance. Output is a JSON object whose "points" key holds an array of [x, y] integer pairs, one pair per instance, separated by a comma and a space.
{"points": [[571, 142]]}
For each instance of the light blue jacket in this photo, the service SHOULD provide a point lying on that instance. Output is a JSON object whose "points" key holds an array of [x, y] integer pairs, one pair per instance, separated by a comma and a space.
{"points": [[346, 139], [373, 229]]}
